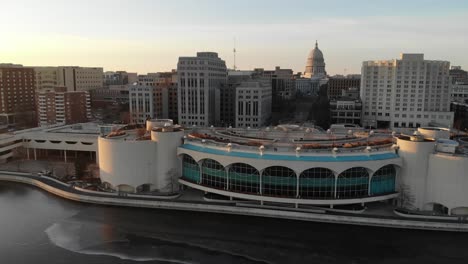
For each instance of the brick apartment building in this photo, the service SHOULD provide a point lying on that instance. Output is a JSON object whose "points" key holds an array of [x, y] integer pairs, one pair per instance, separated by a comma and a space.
{"points": [[17, 95], [62, 107]]}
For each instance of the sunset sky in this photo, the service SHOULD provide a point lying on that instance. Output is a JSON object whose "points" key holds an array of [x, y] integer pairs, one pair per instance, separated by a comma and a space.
{"points": [[149, 36]]}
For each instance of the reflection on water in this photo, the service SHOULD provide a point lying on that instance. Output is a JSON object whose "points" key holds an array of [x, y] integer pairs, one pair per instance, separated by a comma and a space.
{"points": [[37, 227], [102, 239]]}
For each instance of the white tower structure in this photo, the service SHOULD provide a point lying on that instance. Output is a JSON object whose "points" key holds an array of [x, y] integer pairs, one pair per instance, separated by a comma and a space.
{"points": [[315, 66], [198, 80]]}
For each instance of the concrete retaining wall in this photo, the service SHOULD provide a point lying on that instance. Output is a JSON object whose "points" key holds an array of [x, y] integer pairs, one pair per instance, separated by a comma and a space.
{"points": [[200, 207]]}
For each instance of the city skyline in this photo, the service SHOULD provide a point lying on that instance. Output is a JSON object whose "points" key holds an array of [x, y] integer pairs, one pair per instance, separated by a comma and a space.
{"points": [[149, 36]]}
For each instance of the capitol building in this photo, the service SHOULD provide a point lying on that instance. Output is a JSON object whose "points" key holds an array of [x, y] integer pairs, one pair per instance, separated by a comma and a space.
{"points": [[315, 65]]}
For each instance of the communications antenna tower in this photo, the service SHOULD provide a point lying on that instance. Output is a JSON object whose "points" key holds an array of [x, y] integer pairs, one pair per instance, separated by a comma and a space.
{"points": [[234, 52]]}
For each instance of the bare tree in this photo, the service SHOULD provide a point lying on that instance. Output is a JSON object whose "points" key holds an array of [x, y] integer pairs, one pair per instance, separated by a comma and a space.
{"points": [[172, 178], [19, 153], [406, 198]]}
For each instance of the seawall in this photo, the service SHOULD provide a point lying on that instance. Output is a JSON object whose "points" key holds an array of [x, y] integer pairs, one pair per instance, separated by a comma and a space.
{"points": [[65, 191]]}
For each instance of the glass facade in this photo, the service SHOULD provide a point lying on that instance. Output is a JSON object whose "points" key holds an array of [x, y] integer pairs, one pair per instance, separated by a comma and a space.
{"points": [[353, 183], [213, 174], [383, 180], [190, 169], [244, 178], [279, 181], [317, 183]]}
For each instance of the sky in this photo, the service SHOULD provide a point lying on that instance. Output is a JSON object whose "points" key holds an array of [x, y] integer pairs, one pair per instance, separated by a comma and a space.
{"points": [[149, 35]]}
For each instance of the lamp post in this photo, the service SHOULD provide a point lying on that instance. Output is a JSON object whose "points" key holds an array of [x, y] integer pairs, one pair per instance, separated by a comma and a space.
{"points": [[369, 135]]}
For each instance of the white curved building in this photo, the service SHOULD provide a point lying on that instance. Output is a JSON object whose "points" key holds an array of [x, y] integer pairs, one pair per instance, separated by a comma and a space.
{"points": [[265, 166], [435, 172], [292, 165], [139, 159]]}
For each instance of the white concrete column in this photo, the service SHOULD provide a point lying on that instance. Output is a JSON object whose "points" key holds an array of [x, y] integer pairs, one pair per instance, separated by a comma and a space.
{"points": [[226, 169], [260, 189], [297, 186], [369, 186], [65, 155], [35, 154], [336, 185], [201, 172]]}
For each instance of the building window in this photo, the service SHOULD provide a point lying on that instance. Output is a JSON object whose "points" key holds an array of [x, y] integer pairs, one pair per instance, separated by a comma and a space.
{"points": [[190, 169], [353, 183], [279, 181], [213, 174], [244, 178], [383, 180], [317, 183]]}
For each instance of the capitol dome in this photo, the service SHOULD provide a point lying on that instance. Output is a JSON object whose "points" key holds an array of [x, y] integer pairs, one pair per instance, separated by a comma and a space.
{"points": [[315, 66]]}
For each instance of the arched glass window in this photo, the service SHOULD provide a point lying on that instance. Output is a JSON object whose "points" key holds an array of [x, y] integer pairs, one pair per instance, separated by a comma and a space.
{"points": [[190, 169], [244, 178], [353, 183], [279, 181], [213, 174], [317, 183], [383, 180]]}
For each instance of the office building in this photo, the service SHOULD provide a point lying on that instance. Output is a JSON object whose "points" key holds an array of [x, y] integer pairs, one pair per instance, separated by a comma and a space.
{"points": [[282, 84], [347, 108], [253, 103], [459, 92], [336, 84], [141, 104], [458, 75], [199, 78], [74, 78], [227, 95], [406, 93], [119, 78]]}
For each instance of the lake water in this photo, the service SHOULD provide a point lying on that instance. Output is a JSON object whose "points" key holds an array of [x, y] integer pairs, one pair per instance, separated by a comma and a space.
{"points": [[37, 227]]}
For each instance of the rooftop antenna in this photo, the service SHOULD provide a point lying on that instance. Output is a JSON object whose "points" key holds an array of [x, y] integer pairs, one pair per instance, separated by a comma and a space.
{"points": [[234, 51]]}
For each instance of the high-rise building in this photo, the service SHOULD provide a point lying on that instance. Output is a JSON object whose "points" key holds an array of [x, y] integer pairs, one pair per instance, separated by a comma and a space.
{"points": [[315, 65], [282, 84], [161, 91], [253, 103], [198, 80], [74, 78], [227, 95], [17, 94], [336, 84], [141, 103], [407, 92], [62, 107]]}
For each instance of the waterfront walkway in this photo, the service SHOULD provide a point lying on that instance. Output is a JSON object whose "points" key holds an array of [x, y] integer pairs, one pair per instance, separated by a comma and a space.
{"points": [[193, 201]]}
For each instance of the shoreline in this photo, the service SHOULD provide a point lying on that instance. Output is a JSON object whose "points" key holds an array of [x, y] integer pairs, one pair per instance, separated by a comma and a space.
{"points": [[67, 192]]}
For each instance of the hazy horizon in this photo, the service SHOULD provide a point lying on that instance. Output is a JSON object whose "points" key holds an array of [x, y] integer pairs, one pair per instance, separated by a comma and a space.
{"points": [[149, 36]]}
